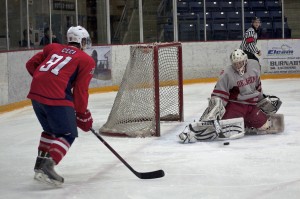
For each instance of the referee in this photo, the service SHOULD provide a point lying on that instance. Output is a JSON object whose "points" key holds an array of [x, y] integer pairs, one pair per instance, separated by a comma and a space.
{"points": [[250, 39]]}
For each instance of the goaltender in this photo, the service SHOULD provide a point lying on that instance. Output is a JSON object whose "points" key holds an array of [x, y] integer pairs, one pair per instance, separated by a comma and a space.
{"points": [[237, 105]]}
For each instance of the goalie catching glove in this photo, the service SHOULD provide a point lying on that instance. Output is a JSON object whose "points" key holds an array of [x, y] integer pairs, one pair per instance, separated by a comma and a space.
{"points": [[84, 120], [270, 104]]}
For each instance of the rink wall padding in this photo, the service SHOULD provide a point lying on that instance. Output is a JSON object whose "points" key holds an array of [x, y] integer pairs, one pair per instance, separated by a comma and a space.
{"points": [[202, 63]]}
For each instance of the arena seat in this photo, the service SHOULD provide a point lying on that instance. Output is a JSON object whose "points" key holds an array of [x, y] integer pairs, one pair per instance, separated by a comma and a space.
{"points": [[235, 31], [257, 5], [234, 16], [273, 5]]}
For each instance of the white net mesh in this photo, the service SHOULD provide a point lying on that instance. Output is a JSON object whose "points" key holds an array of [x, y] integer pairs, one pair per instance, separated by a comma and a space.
{"points": [[134, 112]]}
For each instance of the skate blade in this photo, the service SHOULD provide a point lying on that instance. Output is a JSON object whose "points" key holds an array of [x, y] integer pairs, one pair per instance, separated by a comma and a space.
{"points": [[41, 177]]}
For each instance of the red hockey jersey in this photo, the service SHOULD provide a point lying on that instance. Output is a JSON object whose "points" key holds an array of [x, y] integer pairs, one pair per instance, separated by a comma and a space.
{"points": [[61, 76]]}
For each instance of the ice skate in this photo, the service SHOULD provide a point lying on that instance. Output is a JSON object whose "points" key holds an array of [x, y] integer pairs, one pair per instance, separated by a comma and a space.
{"points": [[44, 172]]}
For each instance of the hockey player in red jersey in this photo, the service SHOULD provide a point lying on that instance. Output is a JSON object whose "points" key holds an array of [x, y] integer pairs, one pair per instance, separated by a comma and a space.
{"points": [[61, 75], [237, 105]]}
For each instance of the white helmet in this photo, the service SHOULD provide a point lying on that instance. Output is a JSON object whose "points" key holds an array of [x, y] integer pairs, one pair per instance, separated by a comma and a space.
{"points": [[239, 60], [79, 34]]}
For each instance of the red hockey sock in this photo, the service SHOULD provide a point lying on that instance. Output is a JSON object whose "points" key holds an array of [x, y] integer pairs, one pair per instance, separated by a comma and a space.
{"points": [[58, 149], [45, 142]]}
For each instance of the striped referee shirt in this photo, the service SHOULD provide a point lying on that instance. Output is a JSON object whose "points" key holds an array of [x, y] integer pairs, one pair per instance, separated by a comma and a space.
{"points": [[249, 41]]}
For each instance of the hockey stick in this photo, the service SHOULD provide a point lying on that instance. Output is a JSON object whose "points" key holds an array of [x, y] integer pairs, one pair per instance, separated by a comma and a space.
{"points": [[141, 175]]}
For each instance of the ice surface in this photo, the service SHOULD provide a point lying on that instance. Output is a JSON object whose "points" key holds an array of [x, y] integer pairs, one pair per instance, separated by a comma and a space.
{"points": [[254, 167]]}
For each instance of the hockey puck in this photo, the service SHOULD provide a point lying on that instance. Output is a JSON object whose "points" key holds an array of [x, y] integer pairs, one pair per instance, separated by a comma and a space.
{"points": [[226, 143]]}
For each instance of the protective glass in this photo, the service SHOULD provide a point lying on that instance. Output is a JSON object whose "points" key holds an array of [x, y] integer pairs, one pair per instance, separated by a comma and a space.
{"points": [[86, 43]]}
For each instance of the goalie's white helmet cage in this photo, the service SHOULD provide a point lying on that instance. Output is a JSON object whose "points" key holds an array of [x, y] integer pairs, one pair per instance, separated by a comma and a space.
{"points": [[151, 91], [239, 59]]}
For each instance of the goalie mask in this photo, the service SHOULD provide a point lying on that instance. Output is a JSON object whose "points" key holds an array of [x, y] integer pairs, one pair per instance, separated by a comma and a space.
{"points": [[78, 34], [239, 60]]}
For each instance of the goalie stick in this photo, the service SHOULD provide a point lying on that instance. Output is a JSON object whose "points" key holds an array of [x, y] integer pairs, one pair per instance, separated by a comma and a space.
{"points": [[141, 175]]}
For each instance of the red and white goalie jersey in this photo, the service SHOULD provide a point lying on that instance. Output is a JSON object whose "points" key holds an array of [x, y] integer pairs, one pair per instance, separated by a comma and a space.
{"points": [[61, 76], [245, 89]]}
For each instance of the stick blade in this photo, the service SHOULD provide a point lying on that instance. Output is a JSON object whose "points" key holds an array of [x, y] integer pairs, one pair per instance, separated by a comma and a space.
{"points": [[151, 175]]}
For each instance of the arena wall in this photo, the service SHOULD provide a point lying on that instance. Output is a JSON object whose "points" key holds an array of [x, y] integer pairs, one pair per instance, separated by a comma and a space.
{"points": [[202, 61]]}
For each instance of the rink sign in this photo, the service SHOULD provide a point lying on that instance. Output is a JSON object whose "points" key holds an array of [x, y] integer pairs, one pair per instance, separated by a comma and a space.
{"points": [[281, 56]]}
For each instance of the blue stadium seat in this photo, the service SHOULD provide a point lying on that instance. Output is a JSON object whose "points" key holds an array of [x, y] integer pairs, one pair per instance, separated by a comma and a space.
{"points": [[182, 7], [277, 27], [234, 16], [248, 16], [267, 30], [273, 5], [235, 31], [198, 16], [219, 17], [227, 6], [186, 16], [238, 6], [234, 26], [188, 0], [209, 18], [267, 25], [209, 32], [264, 15], [196, 6], [212, 6], [276, 15], [187, 32], [257, 5], [220, 31]]}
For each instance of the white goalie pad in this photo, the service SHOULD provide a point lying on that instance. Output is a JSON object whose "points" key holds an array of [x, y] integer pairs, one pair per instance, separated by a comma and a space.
{"points": [[275, 124], [206, 131], [214, 111]]}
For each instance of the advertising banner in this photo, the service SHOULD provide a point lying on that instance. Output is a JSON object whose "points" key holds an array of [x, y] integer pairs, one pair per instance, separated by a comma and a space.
{"points": [[281, 56], [102, 74]]}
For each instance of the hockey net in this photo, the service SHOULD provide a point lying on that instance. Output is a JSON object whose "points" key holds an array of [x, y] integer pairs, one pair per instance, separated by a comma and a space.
{"points": [[150, 91]]}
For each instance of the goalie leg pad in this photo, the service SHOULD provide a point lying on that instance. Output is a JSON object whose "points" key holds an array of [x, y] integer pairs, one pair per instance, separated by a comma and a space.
{"points": [[205, 131], [232, 129], [187, 137], [275, 124], [214, 111]]}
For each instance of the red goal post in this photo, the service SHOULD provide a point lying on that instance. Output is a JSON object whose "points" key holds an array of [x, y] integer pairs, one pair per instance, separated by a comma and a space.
{"points": [[151, 91]]}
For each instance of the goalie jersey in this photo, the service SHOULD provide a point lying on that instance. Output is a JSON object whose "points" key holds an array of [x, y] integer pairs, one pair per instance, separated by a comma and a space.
{"points": [[245, 89]]}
